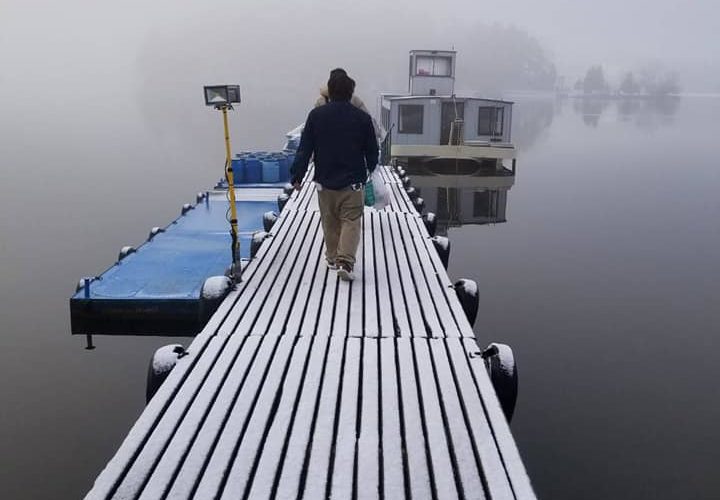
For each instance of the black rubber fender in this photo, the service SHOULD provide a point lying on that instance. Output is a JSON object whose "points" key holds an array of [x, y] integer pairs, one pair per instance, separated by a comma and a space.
{"points": [[430, 221], [500, 363], [125, 251], [269, 219], [161, 364], [442, 247], [282, 201], [467, 293], [257, 240]]}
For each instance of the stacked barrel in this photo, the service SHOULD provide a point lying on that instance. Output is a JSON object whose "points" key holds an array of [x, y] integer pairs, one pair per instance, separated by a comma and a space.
{"points": [[262, 167]]}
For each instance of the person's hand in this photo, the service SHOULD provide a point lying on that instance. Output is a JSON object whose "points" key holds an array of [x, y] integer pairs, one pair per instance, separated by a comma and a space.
{"points": [[296, 185]]}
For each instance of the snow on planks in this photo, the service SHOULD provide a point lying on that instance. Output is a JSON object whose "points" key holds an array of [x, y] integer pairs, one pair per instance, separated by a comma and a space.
{"points": [[302, 386]]}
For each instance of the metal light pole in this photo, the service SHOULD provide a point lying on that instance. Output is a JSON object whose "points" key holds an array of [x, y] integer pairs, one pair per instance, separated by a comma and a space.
{"points": [[222, 97]]}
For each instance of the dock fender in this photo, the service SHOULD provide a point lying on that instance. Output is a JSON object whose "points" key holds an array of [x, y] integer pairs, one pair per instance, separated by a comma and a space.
{"points": [[467, 293], [125, 251], [401, 172], [186, 208], [405, 181], [85, 282], [442, 247], [161, 364], [430, 221], [412, 193], [155, 231], [282, 200], [500, 364], [200, 197], [213, 292], [269, 219], [257, 239], [419, 204]]}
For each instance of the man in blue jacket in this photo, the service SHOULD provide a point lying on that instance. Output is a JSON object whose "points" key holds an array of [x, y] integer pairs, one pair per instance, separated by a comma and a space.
{"points": [[342, 139]]}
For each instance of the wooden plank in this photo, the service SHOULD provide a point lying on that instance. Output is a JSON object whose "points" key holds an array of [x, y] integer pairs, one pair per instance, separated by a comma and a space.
{"points": [[317, 461], [485, 448], [266, 370], [401, 325], [368, 451], [408, 256], [456, 422], [439, 447], [369, 319], [280, 467], [396, 472], [277, 395], [404, 287], [500, 429], [342, 461], [434, 296], [419, 465], [262, 283], [446, 285], [214, 397], [387, 319], [275, 307], [311, 289]]}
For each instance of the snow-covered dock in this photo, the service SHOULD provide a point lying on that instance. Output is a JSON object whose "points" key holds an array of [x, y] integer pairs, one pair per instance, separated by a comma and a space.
{"points": [[303, 386]]}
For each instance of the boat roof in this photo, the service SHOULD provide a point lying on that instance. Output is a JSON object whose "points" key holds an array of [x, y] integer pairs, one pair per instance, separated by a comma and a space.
{"points": [[391, 97]]}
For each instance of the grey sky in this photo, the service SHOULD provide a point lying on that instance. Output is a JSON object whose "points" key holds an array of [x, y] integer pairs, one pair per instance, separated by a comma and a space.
{"points": [[152, 57]]}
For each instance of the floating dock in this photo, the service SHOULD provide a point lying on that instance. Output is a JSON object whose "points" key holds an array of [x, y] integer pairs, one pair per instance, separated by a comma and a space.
{"points": [[156, 288], [304, 386]]}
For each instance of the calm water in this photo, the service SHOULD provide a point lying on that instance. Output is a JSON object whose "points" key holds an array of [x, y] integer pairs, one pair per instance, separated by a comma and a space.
{"points": [[604, 279]]}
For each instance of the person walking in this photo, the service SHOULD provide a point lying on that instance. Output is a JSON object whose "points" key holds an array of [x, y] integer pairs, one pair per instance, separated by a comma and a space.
{"points": [[342, 139], [324, 98]]}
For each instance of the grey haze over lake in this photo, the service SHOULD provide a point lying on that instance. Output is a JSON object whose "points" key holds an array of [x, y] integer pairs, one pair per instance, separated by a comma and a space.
{"points": [[604, 279]]}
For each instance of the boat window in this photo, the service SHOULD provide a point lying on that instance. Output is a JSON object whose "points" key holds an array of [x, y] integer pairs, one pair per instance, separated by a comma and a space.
{"points": [[433, 66], [411, 119], [490, 121]]}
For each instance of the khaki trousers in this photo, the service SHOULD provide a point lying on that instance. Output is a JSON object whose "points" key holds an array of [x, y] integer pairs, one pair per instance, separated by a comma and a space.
{"points": [[341, 216]]}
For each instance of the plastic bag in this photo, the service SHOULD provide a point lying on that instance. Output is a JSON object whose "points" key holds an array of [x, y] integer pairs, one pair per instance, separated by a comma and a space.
{"points": [[375, 191]]}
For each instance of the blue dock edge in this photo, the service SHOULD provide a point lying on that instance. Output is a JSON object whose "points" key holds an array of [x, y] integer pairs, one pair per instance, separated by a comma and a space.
{"points": [[156, 288]]}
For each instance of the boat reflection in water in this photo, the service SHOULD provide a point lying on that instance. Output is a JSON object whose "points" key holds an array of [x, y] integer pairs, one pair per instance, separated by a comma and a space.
{"points": [[462, 192]]}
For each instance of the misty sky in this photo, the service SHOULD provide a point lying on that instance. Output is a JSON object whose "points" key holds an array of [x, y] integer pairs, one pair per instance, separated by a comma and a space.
{"points": [[155, 56]]}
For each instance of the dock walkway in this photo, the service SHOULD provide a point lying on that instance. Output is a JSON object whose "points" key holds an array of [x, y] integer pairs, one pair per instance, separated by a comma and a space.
{"points": [[304, 386]]}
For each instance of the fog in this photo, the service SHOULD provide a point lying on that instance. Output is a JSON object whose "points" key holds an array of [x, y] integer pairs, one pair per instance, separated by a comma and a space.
{"points": [[104, 134], [89, 61]]}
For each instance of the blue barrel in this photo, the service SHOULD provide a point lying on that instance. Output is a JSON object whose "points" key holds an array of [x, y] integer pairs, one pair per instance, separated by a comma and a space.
{"points": [[270, 171], [253, 171], [284, 169], [238, 168]]}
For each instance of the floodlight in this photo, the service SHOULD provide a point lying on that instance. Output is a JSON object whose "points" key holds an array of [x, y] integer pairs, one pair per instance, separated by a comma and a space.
{"points": [[222, 95]]}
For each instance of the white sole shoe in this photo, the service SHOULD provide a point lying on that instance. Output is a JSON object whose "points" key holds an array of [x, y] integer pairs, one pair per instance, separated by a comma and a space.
{"points": [[345, 275], [331, 265]]}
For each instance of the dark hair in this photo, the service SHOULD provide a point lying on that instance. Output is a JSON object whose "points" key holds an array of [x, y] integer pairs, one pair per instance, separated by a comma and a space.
{"points": [[340, 88], [338, 71]]}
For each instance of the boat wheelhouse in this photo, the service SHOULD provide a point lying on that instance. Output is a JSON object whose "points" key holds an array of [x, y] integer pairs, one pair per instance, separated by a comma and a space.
{"points": [[432, 123]]}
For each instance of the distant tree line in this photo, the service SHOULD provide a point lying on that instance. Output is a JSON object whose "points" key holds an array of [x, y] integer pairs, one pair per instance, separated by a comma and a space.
{"points": [[650, 80]]}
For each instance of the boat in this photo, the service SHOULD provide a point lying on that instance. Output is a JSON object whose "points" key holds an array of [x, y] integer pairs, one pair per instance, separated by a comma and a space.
{"points": [[432, 123]]}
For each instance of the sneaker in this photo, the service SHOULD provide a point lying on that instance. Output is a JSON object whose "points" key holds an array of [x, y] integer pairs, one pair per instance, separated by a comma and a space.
{"points": [[345, 271], [331, 264]]}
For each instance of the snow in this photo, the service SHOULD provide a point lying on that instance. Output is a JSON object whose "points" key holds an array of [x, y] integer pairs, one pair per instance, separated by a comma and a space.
{"points": [[469, 286], [442, 242], [165, 358], [216, 287]]}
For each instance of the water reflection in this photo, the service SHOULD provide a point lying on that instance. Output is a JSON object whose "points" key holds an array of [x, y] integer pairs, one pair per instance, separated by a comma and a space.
{"points": [[463, 193], [647, 113], [532, 118]]}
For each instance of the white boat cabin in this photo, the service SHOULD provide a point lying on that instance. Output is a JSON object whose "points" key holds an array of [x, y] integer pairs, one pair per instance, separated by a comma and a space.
{"points": [[433, 123]]}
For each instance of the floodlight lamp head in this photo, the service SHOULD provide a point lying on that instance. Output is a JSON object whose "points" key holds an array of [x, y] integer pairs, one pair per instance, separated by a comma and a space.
{"points": [[222, 96]]}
